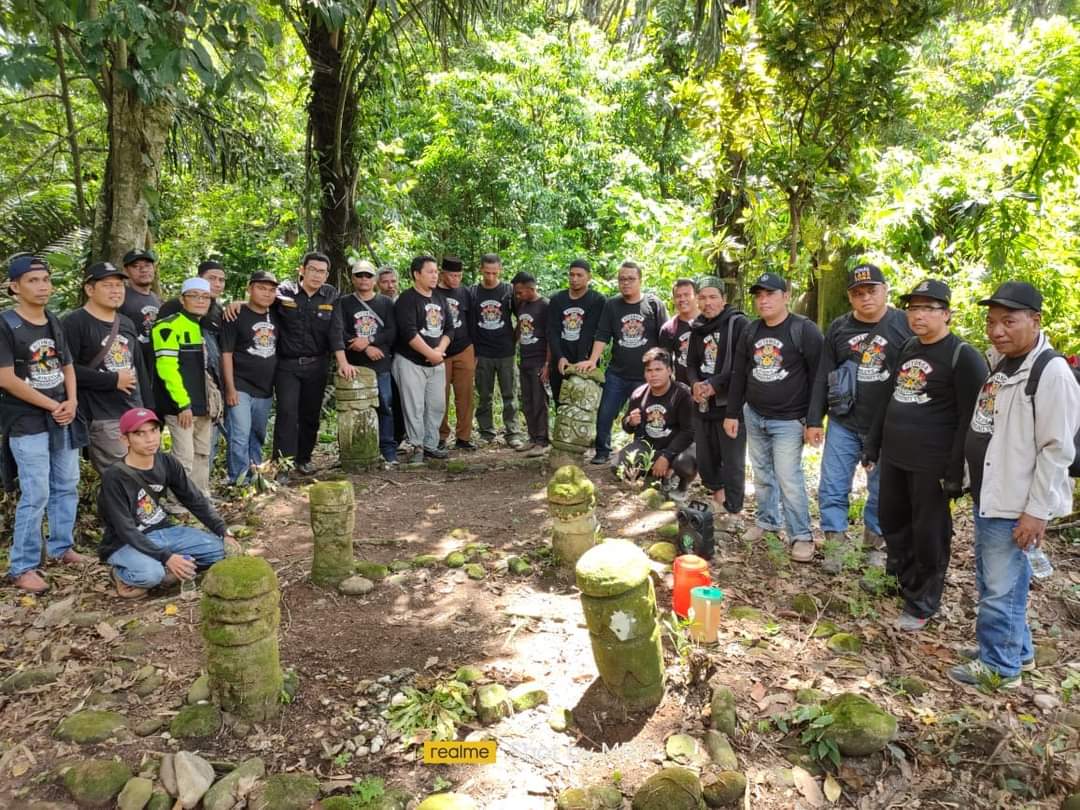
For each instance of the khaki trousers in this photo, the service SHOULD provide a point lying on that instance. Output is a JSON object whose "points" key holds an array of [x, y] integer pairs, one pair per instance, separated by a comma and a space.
{"points": [[460, 374], [191, 446], [106, 447]]}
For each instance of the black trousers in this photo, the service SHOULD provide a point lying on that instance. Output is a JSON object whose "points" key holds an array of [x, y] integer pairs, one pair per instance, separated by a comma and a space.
{"points": [[917, 525], [399, 413], [299, 392], [683, 466], [534, 404], [721, 460], [555, 381]]}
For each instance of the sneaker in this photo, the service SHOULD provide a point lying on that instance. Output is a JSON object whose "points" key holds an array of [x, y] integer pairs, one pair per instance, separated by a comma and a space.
{"points": [[466, 445], [415, 456], [516, 443], [390, 464], [976, 673], [282, 479], [873, 540], [535, 450], [972, 654], [436, 454], [600, 458], [307, 468], [31, 582], [802, 551], [441, 445], [72, 557], [404, 446], [125, 591], [725, 521], [754, 534], [876, 559], [911, 624]]}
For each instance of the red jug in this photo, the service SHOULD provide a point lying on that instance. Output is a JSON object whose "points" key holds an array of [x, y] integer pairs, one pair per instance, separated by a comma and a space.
{"points": [[690, 572]]}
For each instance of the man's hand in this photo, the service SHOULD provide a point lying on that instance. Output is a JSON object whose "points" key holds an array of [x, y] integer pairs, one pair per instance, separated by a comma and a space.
{"points": [[64, 413], [180, 568], [702, 391], [545, 374], [358, 344], [436, 357], [126, 380], [347, 370], [231, 311], [952, 489], [585, 366], [634, 417], [232, 397], [731, 428], [185, 419], [564, 364], [814, 436], [374, 353], [1029, 532], [661, 467]]}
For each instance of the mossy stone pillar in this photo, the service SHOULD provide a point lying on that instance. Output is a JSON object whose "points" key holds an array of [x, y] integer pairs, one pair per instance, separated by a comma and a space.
{"points": [[358, 420], [333, 517], [575, 420], [572, 503], [619, 603], [240, 616]]}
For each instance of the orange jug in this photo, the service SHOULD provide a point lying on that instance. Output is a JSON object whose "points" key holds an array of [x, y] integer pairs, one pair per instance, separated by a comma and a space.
{"points": [[690, 572]]}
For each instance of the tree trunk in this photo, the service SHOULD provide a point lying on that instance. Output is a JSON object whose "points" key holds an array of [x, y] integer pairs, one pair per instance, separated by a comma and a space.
{"points": [[72, 134], [728, 209]]}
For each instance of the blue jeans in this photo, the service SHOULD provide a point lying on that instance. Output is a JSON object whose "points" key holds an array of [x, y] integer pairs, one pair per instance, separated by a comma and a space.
{"points": [[843, 447], [49, 481], [142, 571], [617, 391], [776, 457], [245, 432], [1003, 576], [387, 445]]}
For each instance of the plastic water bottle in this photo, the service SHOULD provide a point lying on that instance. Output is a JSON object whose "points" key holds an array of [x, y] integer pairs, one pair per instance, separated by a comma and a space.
{"points": [[1040, 563]]}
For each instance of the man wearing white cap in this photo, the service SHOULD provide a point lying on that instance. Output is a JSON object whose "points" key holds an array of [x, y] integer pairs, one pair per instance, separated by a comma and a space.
{"points": [[188, 396]]}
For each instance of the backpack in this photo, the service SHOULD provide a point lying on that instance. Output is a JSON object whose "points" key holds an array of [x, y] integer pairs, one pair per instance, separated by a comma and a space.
{"points": [[1033, 385]]}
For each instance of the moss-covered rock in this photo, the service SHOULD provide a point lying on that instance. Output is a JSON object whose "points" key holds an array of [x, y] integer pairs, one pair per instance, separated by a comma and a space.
{"points": [[662, 552], [669, 531], [560, 719], [199, 720], [1071, 802], [96, 782], [720, 750], [596, 797], [527, 696], [493, 703], [468, 674], [611, 568], [475, 571], [399, 566], [518, 567], [136, 793], [844, 643], [426, 561], [455, 559], [333, 518], [725, 790], [685, 750], [652, 498], [745, 613], [722, 710], [456, 466], [371, 570], [448, 801], [805, 605], [285, 792], [355, 585], [912, 685], [569, 486], [240, 578], [670, 789], [29, 678], [199, 690], [625, 617], [159, 801], [90, 726], [225, 792], [859, 727], [810, 697], [825, 628]]}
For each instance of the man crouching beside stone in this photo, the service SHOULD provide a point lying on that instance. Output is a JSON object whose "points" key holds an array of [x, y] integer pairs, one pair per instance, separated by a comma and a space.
{"points": [[144, 546]]}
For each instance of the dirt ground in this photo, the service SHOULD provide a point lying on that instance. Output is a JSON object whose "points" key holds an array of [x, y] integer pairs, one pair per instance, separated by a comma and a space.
{"points": [[956, 747]]}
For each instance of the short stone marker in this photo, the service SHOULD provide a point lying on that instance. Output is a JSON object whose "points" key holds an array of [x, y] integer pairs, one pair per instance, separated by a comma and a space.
{"points": [[333, 517]]}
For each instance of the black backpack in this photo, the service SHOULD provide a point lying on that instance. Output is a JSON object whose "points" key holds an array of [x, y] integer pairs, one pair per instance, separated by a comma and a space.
{"points": [[1033, 385]]}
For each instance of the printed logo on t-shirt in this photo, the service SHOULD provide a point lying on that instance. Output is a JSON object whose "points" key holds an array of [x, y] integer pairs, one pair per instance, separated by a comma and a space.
{"points": [[632, 331], [364, 324], [149, 315], [656, 425], [708, 355], [911, 382], [118, 358], [455, 309], [682, 349], [871, 357], [44, 366], [433, 321], [528, 330], [491, 315], [982, 421], [263, 339], [769, 360], [147, 513], [573, 318]]}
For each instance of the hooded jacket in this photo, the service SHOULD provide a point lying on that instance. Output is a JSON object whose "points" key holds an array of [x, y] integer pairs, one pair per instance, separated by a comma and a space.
{"points": [[710, 357]]}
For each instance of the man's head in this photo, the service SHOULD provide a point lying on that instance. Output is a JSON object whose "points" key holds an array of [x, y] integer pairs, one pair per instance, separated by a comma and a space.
{"points": [[450, 272], [490, 269], [710, 297], [314, 271], [425, 273], [629, 280], [140, 267], [867, 292], [1013, 318], [927, 306], [213, 272], [579, 276], [658, 368], [29, 279], [771, 296], [363, 276], [524, 287], [140, 431], [104, 285], [684, 295], [387, 281], [195, 296], [262, 288]]}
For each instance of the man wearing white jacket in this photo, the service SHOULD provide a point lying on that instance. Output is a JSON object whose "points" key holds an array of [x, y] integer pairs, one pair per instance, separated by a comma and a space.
{"points": [[1018, 450]]}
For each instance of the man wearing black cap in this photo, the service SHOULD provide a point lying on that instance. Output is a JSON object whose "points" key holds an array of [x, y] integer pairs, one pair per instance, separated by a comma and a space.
{"points": [[1019, 446], [919, 437], [853, 384], [573, 315], [141, 303], [110, 369], [38, 410], [460, 360], [493, 334], [775, 361], [248, 364], [370, 331]]}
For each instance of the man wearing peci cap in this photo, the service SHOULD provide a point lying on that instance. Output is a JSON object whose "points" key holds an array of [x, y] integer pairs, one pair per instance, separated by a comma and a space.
{"points": [[141, 303], [917, 442], [110, 369], [248, 363], [1019, 445], [860, 354], [38, 410], [370, 330], [460, 363], [142, 544]]}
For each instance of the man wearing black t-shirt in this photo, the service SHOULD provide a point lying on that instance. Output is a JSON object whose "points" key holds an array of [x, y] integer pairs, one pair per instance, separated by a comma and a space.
{"points": [[574, 314], [460, 362], [494, 338], [110, 369], [425, 329], [141, 303], [38, 410], [776, 359], [868, 339], [920, 434], [248, 363], [532, 326], [370, 331], [631, 320], [675, 333]]}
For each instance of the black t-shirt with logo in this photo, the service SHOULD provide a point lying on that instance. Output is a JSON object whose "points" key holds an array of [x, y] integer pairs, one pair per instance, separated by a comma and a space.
{"points": [[426, 316], [494, 332], [460, 301], [142, 309], [633, 329], [38, 356], [981, 429], [927, 416], [675, 337], [532, 317], [362, 319], [665, 420], [99, 398], [771, 375], [252, 339], [573, 324]]}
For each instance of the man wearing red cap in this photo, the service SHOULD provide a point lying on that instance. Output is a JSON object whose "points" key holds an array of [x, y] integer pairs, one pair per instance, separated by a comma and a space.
{"points": [[144, 546]]}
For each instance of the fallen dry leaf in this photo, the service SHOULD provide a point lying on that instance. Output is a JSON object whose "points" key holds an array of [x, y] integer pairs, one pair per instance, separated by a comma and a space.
{"points": [[170, 609], [107, 631], [758, 692], [832, 788], [808, 787]]}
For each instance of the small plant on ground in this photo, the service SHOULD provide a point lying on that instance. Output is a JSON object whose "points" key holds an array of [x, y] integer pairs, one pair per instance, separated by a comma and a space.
{"points": [[855, 508], [438, 711], [366, 790], [636, 466], [879, 581], [776, 550], [677, 630], [1070, 685], [441, 785], [815, 722]]}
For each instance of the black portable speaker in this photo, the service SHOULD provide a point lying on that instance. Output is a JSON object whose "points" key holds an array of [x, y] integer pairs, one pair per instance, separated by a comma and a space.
{"points": [[697, 534]]}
